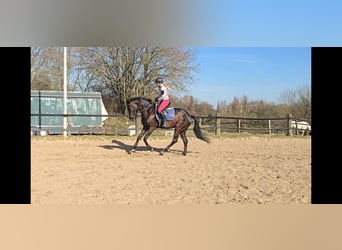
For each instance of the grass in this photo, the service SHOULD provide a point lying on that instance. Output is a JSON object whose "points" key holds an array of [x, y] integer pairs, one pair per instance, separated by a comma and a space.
{"points": [[117, 122]]}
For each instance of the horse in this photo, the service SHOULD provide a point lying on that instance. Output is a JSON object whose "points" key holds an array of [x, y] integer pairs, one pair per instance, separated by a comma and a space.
{"points": [[181, 122]]}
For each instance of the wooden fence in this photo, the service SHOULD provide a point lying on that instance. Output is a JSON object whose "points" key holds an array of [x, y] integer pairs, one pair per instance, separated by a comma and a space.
{"points": [[211, 124], [220, 124]]}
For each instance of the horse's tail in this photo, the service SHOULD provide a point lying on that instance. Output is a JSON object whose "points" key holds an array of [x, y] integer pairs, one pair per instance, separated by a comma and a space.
{"points": [[198, 131]]}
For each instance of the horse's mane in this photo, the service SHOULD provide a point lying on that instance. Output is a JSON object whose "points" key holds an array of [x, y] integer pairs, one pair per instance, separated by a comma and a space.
{"points": [[140, 98]]}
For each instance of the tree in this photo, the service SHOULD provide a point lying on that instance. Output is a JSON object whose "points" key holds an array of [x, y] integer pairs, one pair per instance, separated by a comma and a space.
{"points": [[47, 68], [288, 99], [236, 106], [304, 101], [297, 102], [120, 73]]}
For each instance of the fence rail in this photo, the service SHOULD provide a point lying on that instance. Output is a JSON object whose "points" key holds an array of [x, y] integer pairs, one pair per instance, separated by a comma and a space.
{"points": [[211, 124]]}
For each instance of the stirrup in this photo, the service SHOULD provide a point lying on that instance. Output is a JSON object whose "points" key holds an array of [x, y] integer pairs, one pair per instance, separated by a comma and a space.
{"points": [[161, 123], [158, 123]]}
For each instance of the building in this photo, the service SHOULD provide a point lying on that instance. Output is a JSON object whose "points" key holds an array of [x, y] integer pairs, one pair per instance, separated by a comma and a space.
{"points": [[85, 109]]}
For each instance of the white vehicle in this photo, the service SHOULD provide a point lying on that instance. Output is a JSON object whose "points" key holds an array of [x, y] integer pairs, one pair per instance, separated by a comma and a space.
{"points": [[301, 127]]}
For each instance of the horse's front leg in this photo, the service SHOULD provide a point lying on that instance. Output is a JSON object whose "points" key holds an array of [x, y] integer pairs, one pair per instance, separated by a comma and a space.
{"points": [[149, 132], [143, 131]]}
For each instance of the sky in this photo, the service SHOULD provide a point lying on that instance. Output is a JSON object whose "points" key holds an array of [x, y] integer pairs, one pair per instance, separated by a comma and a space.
{"points": [[260, 73], [256, 48], [281, 23], [260, 48]]}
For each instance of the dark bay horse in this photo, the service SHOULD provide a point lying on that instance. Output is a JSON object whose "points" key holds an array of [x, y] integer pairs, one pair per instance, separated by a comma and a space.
{"points": [[180, 123]]}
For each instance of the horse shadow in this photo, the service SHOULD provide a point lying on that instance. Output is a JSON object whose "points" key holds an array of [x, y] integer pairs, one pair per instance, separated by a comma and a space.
{"points": [[127, 147], [119, 145]]}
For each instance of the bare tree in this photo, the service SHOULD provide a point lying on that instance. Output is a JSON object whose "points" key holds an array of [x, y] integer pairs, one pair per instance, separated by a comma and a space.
{"points": [[121, 72], [117, 72], [47, 68], [288, 99], [304, 101], [235, 106], [297, 102]]}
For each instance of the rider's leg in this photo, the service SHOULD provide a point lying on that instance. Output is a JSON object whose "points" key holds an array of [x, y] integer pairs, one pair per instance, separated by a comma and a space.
{"points": [[161, 107]]}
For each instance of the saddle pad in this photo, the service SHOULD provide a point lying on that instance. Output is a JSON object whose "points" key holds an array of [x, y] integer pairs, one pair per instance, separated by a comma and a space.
{"points": [[169, 113]]}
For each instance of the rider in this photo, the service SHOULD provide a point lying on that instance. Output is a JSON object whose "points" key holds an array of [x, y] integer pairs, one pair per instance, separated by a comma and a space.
{"points": [[162, 98]]}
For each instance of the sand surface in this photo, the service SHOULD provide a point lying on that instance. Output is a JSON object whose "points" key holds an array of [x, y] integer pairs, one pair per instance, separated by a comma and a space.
{"points": [[245, 170]]}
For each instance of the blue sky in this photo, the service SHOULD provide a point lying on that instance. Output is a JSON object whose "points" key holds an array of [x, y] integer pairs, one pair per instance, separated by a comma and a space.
{"points": [[260, 73], [285, 23], [260, 48], [256, 48]]}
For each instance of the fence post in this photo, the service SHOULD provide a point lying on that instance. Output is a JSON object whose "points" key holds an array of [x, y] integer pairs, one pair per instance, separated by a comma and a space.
{"points": [[218, 125], [69, 124], [238, 125], [289, 125], [269, 127]]}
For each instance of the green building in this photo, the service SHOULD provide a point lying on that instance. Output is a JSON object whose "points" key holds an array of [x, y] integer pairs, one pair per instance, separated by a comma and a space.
{"points": [[84, 109]]}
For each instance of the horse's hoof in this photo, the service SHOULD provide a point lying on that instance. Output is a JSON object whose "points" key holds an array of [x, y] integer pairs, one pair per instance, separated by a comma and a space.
{"points": [[162, 152], [131, 151]]}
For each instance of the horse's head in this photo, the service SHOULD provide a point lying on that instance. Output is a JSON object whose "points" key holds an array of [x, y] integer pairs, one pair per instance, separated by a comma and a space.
{"points": [[135, 105], [133, 109]]}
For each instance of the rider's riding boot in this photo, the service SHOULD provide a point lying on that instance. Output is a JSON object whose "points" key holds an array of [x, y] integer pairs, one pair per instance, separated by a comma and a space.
{"points": [[160, 121]]}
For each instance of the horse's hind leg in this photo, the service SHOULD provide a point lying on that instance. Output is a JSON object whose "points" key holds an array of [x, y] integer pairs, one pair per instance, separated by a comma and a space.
{"points": [[185, 141], [174, 140]]}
